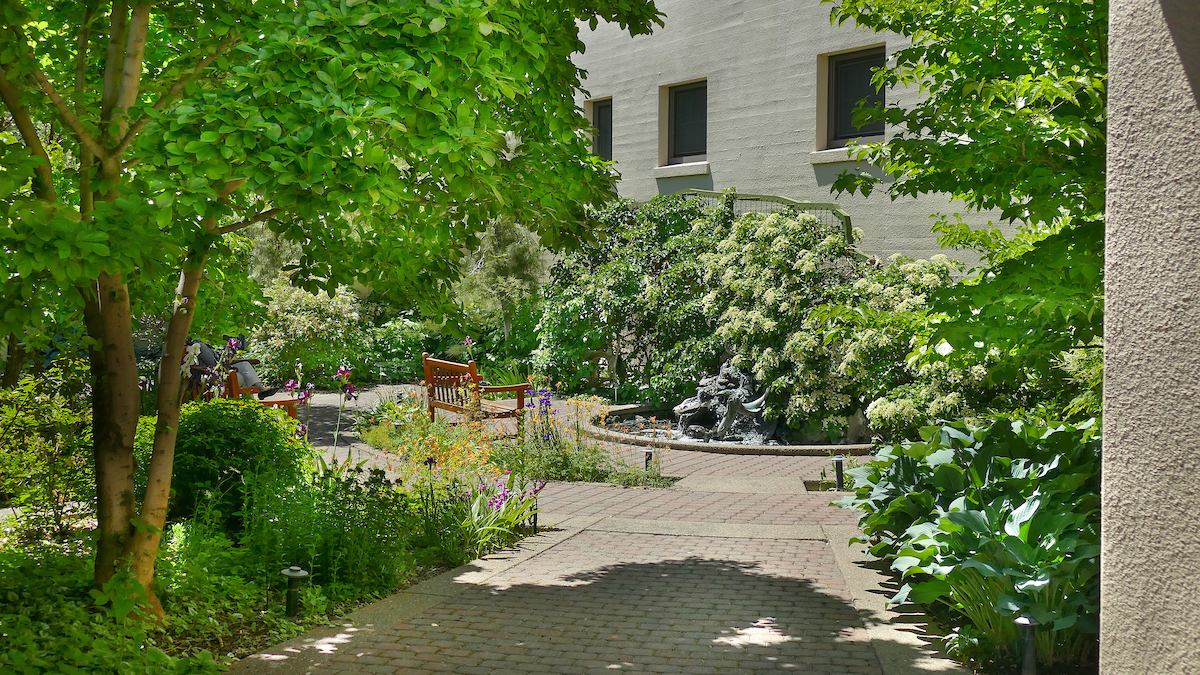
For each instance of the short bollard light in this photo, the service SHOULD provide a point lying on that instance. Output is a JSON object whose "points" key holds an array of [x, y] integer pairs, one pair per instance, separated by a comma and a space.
{"points": [[294, 575], [839, 462], [1029, 665]]}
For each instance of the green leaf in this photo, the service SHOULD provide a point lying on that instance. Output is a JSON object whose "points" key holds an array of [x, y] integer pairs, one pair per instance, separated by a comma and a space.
{"points": [[1021, 515], [929, 591]]}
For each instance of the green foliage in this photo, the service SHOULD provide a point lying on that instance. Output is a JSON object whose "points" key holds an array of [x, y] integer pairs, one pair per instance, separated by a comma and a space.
{"points": [[1012, 118], [1031, 308], [503, 272], [1013, 112], [321, 331], [562, 461], [45, 433], [553, 447], [363, 165], [633, 300], [222, 444], [396, 351], [995, 522], [351, 529], [50, 624]]}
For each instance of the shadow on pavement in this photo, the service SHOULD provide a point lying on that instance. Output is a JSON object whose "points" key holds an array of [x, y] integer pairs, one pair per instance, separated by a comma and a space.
{"points": [[702, 615]]}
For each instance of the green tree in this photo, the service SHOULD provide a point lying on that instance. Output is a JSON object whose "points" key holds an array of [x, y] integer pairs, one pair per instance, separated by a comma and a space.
{"points": [[504, 270], [372, 132], [1012, 118]]}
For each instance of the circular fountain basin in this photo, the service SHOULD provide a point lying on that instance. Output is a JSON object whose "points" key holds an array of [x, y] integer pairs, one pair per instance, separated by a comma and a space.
{"points": [[674, 441]]}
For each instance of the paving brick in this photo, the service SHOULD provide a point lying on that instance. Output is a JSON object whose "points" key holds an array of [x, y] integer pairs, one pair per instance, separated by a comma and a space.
{"points": [[614, 602]]}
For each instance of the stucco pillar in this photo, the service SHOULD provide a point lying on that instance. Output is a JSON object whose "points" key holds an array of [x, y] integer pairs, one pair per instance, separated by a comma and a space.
{"points": [[1150, 565]]}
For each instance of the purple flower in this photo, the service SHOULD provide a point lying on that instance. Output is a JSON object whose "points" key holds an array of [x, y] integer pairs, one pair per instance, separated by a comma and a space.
{"points": [[468, 341], [234, 344], [350, 391], [344, 371], [291, 386], [302, 430], [430, 461]]}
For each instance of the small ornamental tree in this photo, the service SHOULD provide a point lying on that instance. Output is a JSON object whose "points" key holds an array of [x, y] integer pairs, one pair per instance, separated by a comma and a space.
{"points": [[380, 135]]}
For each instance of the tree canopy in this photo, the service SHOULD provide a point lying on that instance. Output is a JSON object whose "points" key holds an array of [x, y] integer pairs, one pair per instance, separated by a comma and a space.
{"points": [[1011, 117]]}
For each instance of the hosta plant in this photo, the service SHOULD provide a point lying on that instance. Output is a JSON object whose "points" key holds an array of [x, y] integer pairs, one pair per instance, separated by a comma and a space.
{"points": [[996, 522]]}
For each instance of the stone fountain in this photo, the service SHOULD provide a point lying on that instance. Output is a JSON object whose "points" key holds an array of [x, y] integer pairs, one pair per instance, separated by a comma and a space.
{"points": [[725, 408]]}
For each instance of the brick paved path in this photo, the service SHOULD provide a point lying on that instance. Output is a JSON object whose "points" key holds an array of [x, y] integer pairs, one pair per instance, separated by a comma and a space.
{"points": [[735, 569]]}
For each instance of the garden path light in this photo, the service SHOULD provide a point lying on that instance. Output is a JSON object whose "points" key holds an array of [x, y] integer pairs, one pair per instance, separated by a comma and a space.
{"points": [[294, 575]]}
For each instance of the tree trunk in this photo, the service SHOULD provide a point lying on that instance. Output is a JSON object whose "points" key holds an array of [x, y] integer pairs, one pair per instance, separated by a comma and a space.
{"points": [[148, 534], [506, 313], [115, 406], [14, 363]]}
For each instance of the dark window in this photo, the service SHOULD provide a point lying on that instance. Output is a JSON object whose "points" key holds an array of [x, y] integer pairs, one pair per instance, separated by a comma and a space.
{"points": [[849, 89], [687, 126], [602, 120]]}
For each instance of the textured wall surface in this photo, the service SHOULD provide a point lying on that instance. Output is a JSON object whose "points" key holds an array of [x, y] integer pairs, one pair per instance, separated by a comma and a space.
{"points": [[761, 61], [1150, 602]]}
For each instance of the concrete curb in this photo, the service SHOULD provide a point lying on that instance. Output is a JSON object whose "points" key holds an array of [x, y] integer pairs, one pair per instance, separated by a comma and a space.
{"points": [[602, 434], [894, 636], [718, 530]]}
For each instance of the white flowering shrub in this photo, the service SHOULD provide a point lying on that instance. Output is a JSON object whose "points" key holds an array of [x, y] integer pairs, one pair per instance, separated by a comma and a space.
{"points": [[827, 333], [831, 336]]}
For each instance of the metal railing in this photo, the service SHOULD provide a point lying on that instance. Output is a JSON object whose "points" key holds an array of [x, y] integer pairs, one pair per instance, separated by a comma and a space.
{"points": [[827, 212]]}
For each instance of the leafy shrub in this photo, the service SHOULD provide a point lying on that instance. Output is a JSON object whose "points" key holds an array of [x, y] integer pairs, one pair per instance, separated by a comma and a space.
{"points": [[553, 447], [995, 522], [351, 529], [396, 351], [626, 312], [321, 331], [46, 436], [222, 443]]}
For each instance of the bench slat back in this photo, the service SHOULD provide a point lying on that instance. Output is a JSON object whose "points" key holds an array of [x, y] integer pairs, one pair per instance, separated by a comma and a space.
{"points": [[450, 382]]}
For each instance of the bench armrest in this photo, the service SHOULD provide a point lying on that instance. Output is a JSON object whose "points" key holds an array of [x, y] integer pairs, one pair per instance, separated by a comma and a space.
{"points": [[508, 387]]}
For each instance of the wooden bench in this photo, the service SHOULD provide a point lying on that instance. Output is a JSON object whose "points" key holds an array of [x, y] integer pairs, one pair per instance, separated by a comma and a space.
{"points": [[232, 390], [459, 388]]}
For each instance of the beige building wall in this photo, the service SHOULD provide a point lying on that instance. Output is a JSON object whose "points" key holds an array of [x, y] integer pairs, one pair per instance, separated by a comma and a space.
{"points": [[765, 63], [1150, 562]]}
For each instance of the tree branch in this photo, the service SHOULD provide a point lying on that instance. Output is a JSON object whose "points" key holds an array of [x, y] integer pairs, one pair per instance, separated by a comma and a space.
{"points": [[131, 76], [265, 215], [43, 179], [117, 22], [171, 94], [66, 114]]}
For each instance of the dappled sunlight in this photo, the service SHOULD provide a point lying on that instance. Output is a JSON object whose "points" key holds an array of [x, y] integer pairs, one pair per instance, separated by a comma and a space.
{"points": [[762, 633]]}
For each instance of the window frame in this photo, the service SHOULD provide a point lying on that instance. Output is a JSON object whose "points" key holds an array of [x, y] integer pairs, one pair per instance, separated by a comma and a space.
{"points": [[596, 106], [672, 127], [832, 140]]}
